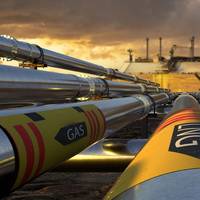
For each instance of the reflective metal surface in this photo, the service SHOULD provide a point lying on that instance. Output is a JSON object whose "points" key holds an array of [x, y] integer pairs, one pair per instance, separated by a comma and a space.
{"points": [[7, 163], [105, 155], [118, 112], [24, 85], [185, 101], [14, 49], [160, 98], [19, 85], [152, 89], [7, 157], [182, 185], [163, 176], [124, 89]]}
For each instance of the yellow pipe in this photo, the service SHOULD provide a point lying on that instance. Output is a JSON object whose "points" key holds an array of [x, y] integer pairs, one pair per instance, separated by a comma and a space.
{"points": [[168, 151], [44, 139]]}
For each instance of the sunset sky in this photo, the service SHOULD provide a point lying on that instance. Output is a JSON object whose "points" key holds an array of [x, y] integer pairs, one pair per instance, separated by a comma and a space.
{"points": [[101, 30]]}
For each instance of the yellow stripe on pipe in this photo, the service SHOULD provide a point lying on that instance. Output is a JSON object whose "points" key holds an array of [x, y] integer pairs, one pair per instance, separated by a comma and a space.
{"points": [[45, 139]]}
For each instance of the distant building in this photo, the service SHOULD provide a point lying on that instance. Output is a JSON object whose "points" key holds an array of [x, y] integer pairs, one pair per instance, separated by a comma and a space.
{"points": [[144, 67]]}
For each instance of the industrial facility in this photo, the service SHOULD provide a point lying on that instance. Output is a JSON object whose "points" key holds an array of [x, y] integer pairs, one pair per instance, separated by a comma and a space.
{"points": [[135, 120]]}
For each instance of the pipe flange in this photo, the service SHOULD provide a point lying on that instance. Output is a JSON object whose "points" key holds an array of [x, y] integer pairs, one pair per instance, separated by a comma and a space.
{"points": [[143, 88], [110, 72], [92, 86], [146, 101], [31, 50], [106, 91]]}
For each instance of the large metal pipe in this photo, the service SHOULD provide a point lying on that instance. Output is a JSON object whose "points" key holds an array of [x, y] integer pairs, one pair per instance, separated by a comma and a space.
{"points": [[22, 51], [32, 134], [173, 172], [107, 155], [19, 85], [7, 162], [185, 101]]}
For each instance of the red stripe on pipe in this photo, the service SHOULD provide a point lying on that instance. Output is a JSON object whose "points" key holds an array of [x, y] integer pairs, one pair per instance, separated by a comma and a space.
{"points": [[98, 125], [180, 116], [183, 113], [29, 152], [104, 122], [96, 122], [41, 146], [175, 120], [91, 126], [94, 125], [186, 111]]}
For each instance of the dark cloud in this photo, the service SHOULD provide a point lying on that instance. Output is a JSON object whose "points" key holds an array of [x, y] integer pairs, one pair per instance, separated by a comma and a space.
{"points": [[101, 21]]}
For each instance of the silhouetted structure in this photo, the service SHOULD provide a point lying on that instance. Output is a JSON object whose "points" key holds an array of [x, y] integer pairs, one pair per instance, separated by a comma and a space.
{"points": [[130, 51]]}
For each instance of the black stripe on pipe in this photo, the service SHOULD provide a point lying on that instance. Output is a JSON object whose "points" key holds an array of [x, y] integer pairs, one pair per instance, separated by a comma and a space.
{"points": [[79, 109], [35, 117]]}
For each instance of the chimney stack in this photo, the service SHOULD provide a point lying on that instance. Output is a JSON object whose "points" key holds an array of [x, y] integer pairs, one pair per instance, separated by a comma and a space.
{"points": [[160, 47], [130, 51], [147, 48], [192, 46]]}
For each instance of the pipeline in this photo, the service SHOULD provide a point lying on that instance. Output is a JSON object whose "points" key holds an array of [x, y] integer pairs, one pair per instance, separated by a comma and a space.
{"points": [[22, 51], [168, 166], [38, 139], [19, 85], [107, 155]]}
